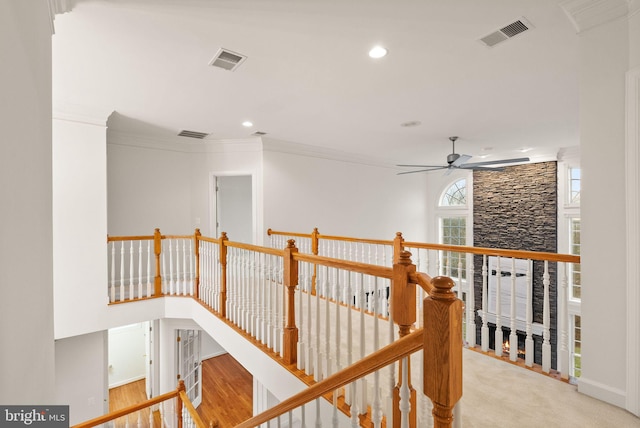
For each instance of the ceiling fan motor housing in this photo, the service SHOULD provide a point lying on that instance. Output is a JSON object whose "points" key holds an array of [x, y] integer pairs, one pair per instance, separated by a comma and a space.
{"points": [[452, 158]]}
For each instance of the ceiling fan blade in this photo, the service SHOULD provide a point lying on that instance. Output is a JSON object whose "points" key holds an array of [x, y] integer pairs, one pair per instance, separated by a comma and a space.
{"points": [[423, 166], [422, 170], [484, 168], [494, 162], [462, 159]]}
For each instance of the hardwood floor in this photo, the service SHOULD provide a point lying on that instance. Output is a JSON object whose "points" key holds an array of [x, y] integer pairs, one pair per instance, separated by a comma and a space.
{"points": [[227, 395]]}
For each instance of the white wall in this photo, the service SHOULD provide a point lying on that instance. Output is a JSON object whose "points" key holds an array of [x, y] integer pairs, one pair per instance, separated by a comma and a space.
{"points": [[604, 61], [147, 188], [26, 278], [81, 375], [210, 347], [342, 198], [127, 362]]}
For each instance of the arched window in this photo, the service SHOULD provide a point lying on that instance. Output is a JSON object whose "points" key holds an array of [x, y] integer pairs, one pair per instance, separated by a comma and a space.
{"points": [[453, 214], [455, 195]]}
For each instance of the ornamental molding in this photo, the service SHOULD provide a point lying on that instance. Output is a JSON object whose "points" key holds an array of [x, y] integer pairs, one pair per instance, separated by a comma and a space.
{"points": [[57, 7], [587, 14]]}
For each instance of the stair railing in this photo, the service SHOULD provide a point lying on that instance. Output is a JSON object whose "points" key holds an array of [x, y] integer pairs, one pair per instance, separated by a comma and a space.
{"points": [[174, 409]]}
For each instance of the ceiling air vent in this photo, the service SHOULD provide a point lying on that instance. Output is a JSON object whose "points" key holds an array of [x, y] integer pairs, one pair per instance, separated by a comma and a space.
{"points": [[259, 133], [506, 32], [227, 59], [192, 134]]}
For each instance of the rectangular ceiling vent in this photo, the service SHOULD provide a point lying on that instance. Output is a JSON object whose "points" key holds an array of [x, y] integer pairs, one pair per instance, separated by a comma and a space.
{"points": [[259, 133], [227, 59], [506, 32], [192, 134]]}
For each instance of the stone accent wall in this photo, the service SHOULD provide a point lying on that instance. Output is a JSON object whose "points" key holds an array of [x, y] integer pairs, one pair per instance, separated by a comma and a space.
{"points": [[517, 209]]}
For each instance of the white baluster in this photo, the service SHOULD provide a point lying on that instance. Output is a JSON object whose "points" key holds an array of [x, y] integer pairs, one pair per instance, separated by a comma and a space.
{"points": [[318, 419], [150, 417], [319, 357], [269, 306], [528, 342], [300, 315], [139, 422], [309, 353], [338, 327], [484, 339], [391, 376], [355, 421], [283, 305], [471, 303], [546, 344], [349, 389], [334, 417], [131, 280], [149, 276], [377, 405], [121, 271], [327, 325], [165, 281], [363, 381], [192, 270], [113, 272], [171, 277], [405, 402], [563, 320], [139, 269], [184, 268], [499, 340], [513, 337]]}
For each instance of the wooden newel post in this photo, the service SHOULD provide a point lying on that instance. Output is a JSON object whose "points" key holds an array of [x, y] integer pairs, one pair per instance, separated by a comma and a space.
{"points": [[398, 247], [181, 388], [403, 307], [157, 250], [443, 350], [196, 250], [290, 281], [223, 274]]}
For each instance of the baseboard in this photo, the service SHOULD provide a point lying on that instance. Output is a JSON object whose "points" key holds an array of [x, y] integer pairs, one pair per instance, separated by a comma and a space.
{"points": [[215, 354], [602, 392], [126, 381]]}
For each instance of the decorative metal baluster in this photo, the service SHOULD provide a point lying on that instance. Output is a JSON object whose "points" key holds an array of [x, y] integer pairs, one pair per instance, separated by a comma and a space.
{"points": [[513, 337], [546, 334], [499, 340]]}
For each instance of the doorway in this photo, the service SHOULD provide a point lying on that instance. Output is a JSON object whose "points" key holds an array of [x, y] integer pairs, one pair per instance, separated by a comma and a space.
{"points": [[189, 364], [232, 207]]}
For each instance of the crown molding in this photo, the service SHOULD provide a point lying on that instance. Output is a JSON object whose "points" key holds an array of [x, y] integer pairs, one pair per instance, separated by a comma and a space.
{"points": [[81, 114], [587, 14], [57, 7], [280, 146], [182, 144]]}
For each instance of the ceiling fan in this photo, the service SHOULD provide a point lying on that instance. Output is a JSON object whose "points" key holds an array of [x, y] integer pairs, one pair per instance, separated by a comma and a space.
{"points": [[458, 161]]}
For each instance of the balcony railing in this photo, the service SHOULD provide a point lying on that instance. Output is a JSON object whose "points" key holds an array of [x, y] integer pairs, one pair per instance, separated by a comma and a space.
{"points": [[523, 295], [325, 303]]}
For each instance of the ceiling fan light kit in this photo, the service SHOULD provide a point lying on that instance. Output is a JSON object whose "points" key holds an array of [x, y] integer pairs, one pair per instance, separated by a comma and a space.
{"points": [[459, 161]]}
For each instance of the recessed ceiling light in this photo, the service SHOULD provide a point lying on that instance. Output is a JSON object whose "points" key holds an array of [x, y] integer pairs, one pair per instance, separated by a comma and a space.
{"points": [[247, 124], [377, 52]]}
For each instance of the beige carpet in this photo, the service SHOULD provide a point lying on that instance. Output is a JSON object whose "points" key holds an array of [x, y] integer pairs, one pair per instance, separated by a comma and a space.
{"points": [[497, 394]]}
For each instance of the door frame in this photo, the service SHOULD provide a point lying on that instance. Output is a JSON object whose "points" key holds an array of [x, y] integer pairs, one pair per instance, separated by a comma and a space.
{"points": [[213, 207]]}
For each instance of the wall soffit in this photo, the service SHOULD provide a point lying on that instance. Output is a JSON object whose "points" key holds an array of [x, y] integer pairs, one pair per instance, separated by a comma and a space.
{"points": [[587, 14]]}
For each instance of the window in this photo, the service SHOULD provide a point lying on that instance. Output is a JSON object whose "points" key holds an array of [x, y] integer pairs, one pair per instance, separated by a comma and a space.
{"points": [[574, 186], [577, 347], [453, 228], [455, 195], [574, 248]]}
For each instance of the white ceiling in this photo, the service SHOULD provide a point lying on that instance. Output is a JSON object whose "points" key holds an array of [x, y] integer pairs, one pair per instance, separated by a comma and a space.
{"points": [[308, 78]]}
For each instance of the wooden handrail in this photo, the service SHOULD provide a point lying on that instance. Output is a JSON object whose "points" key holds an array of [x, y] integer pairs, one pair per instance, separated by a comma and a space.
{"points": [[367, 269], [256, 248], [423, 280], [298, 235], [518, 254], [379, 359], [192, 410], [127, 410], [129, 238]]}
